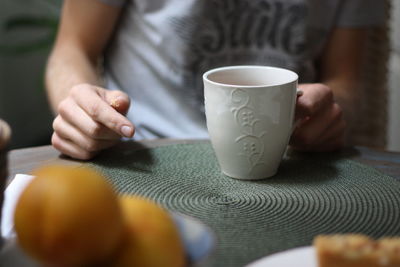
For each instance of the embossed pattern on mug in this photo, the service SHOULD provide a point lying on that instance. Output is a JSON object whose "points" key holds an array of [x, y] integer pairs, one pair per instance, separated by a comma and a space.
{"points": [[250, 139]]}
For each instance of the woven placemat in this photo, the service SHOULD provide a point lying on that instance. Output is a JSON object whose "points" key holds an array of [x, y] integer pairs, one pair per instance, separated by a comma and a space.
{"points": [[251, 219]]}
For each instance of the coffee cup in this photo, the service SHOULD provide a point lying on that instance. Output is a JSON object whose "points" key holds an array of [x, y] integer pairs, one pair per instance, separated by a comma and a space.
{"points": [[250, 117]]}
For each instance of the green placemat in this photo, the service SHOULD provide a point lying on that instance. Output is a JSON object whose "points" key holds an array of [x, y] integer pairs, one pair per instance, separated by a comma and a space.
{"points": [[308, 196]]}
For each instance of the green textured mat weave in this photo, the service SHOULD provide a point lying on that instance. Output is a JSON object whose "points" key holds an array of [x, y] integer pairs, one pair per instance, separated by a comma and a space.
{"points": [[252, 219]]}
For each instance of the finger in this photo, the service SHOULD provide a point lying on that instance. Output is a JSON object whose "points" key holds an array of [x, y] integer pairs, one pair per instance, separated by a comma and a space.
{"points": [[314, 98], [69, 132], [310, 130], [331, 145], [336, 143], [101, 111], [118, 100], [68, 148], [335, 131], [77, 117]]}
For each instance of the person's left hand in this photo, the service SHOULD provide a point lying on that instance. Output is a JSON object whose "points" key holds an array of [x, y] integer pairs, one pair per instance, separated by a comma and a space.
{"points": [[321, 124]]}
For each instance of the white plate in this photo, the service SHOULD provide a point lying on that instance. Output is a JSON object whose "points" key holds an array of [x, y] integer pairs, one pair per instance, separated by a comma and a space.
{"points": [[198, 239], [299, 257]]}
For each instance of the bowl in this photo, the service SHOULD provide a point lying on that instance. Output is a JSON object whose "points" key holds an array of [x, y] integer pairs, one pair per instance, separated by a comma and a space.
{"points": [[198, 240]]}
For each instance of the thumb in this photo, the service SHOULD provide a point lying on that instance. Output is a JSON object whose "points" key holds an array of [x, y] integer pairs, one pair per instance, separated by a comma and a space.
{"points": [[119, 100], [302, 108]]}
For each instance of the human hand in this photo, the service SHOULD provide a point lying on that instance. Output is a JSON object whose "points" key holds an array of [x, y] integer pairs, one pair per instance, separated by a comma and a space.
{"points": [[89, 120], [321, 124]]}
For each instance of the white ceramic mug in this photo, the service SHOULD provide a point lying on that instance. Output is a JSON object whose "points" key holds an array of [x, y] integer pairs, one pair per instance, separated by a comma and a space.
{"points": [[250, 113]]}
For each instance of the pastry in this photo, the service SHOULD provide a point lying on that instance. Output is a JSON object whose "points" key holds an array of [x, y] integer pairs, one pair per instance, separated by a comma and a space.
{"points": [[355, 250]]}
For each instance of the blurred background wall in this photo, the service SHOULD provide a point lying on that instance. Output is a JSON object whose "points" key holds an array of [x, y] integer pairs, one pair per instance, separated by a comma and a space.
{"points": [[27, 30], [394, 80]]}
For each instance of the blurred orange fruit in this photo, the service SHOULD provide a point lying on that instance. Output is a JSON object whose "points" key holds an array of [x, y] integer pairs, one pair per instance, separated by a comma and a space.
{"points": [[152, 238], [68, 216]]}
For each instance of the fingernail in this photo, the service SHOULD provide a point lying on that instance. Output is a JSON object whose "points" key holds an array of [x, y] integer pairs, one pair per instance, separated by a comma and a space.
{"points": [[116, 102], [126, 131], [299, 92]]}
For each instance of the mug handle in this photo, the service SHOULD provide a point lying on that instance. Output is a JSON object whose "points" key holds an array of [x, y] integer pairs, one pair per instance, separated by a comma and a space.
{"points": [[299, 93]]}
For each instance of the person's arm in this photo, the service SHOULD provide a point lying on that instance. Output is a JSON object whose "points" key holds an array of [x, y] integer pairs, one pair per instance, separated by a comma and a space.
{"points": [[340, 68], [328, 107], [85, 27], [89, 118]]}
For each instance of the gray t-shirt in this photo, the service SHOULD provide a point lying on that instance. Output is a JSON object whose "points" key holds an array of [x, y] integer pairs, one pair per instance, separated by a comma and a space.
{"points": [[161, 48]]}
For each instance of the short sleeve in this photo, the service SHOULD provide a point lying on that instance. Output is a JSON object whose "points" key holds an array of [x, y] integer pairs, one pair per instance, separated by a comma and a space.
{"points": [[113, 2], [361, 13]]}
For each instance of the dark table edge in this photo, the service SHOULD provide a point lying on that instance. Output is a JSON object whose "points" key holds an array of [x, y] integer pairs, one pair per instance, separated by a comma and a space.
{"points": [[24, 160]]}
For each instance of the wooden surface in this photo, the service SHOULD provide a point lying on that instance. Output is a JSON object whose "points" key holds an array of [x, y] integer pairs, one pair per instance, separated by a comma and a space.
{"points": [[25, 160]]}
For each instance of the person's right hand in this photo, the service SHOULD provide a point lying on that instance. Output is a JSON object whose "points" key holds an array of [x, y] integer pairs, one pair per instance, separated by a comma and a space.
{"points": [[89, 120]]}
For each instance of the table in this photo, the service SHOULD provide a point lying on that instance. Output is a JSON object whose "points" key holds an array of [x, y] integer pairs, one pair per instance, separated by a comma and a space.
{"points": [[26, 159], [293, 209]]}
